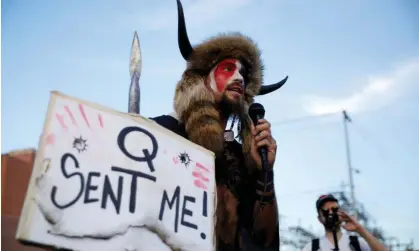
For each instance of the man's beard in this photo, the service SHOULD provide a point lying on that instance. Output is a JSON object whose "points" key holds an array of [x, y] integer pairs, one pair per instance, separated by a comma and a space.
{"points": [[331, 228], [228, 107]]}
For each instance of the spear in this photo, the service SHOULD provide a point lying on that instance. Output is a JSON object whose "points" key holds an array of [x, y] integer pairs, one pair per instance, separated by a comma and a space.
{"points": [[135, 73]]}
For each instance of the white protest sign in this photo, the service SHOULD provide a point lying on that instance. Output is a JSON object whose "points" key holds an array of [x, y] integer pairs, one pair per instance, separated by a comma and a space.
{"points": [[105, 180]]}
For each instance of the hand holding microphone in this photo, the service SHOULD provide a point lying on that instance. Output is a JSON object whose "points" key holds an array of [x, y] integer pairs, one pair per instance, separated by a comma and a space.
{"points": [[263, 145]]}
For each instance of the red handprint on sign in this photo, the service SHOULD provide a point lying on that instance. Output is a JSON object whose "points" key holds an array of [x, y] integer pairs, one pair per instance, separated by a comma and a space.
{"points": [[68, 120], [199, 173]]}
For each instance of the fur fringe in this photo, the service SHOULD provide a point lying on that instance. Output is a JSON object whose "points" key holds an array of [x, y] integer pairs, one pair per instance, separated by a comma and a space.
{"points": [[194, 105], [226, 226]]}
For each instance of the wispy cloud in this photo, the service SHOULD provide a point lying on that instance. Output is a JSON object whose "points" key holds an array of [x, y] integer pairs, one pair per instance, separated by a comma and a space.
{"points": [[197, 13], [377, 91]]}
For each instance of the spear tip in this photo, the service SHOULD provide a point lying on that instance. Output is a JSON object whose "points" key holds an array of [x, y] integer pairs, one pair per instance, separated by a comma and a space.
{"points": [[135, 58]]}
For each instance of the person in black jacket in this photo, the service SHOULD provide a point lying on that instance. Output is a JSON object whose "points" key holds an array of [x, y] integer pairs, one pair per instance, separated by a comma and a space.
{"points": [[222, 77]]}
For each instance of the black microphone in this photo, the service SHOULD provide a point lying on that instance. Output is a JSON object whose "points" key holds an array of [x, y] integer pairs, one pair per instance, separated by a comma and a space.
{"points": [[256, 112]]}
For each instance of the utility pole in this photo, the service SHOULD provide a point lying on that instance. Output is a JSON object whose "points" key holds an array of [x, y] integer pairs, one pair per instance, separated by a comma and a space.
{"points": [[347, 119]]}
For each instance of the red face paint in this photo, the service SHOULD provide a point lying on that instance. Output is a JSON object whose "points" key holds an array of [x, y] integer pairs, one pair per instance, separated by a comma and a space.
{"points": [[223, 72]]}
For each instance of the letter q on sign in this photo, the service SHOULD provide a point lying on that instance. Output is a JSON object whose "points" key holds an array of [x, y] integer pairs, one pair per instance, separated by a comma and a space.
{"points": [[143, 136]]}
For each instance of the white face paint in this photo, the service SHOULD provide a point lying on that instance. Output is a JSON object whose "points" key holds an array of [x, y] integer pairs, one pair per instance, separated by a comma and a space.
{"points": [[224, 74]]}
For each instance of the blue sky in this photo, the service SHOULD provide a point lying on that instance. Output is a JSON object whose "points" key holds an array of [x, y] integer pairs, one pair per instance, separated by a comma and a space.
{"points": [[358, 55]]}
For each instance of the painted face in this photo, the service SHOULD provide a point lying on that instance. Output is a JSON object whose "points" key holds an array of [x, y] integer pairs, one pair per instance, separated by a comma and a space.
{"points": [[227, 76]]}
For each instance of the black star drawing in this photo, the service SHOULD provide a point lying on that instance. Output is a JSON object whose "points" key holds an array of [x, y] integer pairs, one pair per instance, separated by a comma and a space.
{"points": [[185, 159], [80, 144]]}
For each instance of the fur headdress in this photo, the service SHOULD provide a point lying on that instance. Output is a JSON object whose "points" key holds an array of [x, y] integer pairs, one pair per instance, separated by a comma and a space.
{"points": [[194, 103]]}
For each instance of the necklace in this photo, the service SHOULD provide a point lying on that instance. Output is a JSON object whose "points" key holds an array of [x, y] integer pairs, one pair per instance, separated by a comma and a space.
{"points": [[229, 134]]}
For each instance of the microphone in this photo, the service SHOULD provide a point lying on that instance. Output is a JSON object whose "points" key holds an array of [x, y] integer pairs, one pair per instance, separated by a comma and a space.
{"points": [[256, 112]]}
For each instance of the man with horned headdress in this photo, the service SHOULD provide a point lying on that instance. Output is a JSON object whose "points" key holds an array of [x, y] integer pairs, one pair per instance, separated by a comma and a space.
{"points": [[222, 77]]}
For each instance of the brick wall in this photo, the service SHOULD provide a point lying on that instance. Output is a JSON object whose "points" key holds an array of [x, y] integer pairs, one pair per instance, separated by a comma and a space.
{"points": [[16, 170]]}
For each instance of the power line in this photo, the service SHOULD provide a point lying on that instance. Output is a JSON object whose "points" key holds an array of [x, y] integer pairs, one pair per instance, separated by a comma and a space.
{"points": [[302, 119]]}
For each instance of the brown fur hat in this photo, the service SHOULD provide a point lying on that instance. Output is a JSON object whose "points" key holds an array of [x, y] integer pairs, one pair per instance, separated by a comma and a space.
{"points": [[194, 103]]}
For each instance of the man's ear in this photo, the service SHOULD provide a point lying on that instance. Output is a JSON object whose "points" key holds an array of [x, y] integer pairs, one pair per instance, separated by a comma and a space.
{"points": [[318, 217]]}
